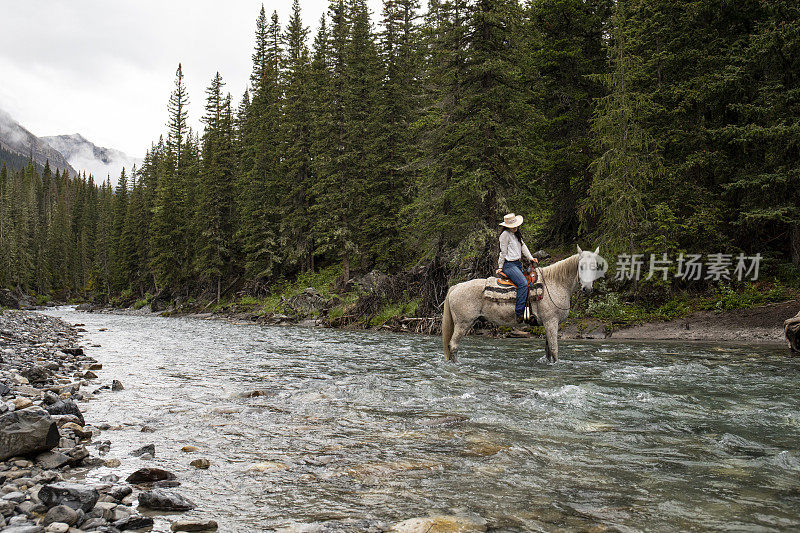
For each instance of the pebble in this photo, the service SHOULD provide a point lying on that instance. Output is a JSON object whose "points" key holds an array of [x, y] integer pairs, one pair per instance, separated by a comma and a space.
{"points": [[16, 497], [22, 403]]}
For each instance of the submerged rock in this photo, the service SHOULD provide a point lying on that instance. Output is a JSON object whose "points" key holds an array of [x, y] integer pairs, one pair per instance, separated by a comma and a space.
{"points": [[149, 475], [194, 525], [165, 501], [441, 524], [147, 449], [202, 464], [27, 432]]}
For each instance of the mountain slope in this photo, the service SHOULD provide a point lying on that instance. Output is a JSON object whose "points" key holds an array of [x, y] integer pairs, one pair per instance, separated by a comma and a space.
{"points": [[17, 142], [96, 160]]}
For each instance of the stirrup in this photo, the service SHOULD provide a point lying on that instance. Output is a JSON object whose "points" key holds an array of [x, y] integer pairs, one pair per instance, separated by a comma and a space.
{"points": [[529, 317]]}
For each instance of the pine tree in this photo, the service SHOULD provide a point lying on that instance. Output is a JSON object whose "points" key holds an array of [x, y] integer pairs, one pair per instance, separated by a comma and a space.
{"points": [[335, 192], [169, 224], [399, 42], [471, 150], [122, 248], [215, 199], [260, 182], [630, 158], [178, 109], [260, 54], [322, 136], [762, 140], [296, 240], [369, 193], [563, 57], [4, 241]]}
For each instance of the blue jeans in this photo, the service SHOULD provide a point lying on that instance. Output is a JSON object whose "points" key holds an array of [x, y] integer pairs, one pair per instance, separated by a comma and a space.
{"points": [[513, 269]]}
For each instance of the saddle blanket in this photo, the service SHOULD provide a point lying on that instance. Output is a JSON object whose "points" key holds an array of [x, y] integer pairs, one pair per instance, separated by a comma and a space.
{"points": [[502, 290]]}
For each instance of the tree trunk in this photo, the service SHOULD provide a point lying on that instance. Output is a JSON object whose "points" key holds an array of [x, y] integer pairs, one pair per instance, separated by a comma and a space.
{"points": [[794, 243]]}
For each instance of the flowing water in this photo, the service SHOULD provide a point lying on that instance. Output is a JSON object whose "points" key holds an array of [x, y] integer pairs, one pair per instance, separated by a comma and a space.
{"points": [[305, 425]]}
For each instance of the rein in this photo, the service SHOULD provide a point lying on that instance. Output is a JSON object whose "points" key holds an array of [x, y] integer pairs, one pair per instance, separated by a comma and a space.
{"points": [[546, 288]]}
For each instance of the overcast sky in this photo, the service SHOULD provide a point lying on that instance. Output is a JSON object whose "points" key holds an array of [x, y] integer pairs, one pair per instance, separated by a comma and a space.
{"points": [[105, 69]]}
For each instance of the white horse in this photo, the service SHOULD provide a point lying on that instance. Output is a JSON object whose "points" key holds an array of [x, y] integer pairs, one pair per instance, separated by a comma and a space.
{"points": [[465, 302]]}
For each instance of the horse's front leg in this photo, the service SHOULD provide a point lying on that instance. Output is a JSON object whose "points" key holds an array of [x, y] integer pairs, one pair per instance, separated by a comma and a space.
{"points": [[551, 340]]}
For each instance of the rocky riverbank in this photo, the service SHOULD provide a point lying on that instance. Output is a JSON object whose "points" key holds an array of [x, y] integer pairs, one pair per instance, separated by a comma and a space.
{"points": [[47, 446]]}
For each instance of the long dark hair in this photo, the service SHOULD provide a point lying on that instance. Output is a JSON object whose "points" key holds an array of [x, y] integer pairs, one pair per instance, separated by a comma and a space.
{"points": [[517, 234]]}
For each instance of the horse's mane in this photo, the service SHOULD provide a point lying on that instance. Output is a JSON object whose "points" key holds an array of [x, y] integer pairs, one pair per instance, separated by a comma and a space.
{"points": [[562, 271]]}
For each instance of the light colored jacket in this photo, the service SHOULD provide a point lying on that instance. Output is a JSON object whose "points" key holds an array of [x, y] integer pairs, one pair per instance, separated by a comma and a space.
{"points": [[511, 249]]}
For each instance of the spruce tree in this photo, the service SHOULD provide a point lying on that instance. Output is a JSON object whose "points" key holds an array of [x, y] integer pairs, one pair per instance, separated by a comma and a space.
{"points": [[368, 193], [334, 189], [630, 157], [295, 239], [563, 57], [397, 108], [260, 182], [215, 194]]}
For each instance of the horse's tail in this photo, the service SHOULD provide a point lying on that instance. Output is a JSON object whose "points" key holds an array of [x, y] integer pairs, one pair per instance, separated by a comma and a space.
{"points": [[447, 327]]}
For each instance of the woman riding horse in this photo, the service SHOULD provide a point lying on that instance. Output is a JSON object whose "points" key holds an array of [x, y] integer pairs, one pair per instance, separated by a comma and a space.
{"points": [[512, 248]]}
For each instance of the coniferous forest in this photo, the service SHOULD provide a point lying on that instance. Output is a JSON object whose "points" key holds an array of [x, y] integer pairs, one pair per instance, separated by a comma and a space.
{"points": [[399, 141]]}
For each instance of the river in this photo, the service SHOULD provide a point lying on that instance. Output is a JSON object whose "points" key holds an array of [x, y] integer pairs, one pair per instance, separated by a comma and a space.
{"points": [[377, 427]]}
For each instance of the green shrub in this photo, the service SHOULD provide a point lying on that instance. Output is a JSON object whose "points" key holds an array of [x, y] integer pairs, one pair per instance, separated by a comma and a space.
{"points": [[673, 309], [144, 301]]}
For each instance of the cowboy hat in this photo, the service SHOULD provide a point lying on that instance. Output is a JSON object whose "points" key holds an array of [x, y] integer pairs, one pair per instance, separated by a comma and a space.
{"points": [[511, 220]]}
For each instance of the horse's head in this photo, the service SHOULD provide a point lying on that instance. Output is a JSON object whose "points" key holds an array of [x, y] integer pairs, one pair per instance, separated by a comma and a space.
{"points": [[591, 266]]}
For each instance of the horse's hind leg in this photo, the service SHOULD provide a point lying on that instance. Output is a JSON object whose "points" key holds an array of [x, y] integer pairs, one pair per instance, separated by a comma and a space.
{"points": [[459, 331]]}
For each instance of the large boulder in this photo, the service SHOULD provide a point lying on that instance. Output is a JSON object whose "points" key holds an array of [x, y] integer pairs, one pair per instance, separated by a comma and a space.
{"points": [[7, 299], [26, 432], [372, 281], [72, 495], [791, 327], [307, 301]]}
